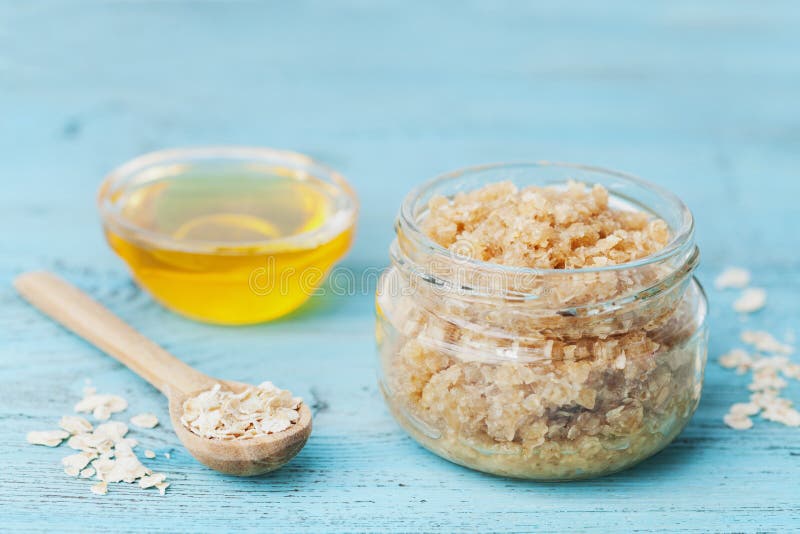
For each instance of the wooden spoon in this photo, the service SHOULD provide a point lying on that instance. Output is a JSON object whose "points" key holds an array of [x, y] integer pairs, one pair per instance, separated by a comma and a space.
{"points": [[86, 317]]}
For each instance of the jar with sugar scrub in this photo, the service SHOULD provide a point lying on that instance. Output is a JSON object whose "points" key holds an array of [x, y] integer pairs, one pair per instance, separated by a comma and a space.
{"points": [[542, 321]]}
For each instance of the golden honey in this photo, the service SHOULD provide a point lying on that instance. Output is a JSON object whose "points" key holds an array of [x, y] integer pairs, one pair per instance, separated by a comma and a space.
{"points": [[229, 236]]}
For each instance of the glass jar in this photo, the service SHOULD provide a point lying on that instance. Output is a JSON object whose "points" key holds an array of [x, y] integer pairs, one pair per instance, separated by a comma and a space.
{"points": [[547, 374]]}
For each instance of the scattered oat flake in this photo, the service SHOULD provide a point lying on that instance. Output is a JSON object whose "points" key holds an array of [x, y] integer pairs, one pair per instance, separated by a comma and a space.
{"points": [[770, 368], [49, 438], [105, 452], [767, 379], [738, 422], [91, 442], [785, 415], [745, 408], [151, 480], [735, 359], [162, 487], [75, 463], [764, 399], [144, 420], [792, 370], [101, 488], [75, 424], [167, 456], [732, 277], [123, 467], [101, 406], [127, 468], [771, 363], [765, 342], [72, 471], [113, 430], [87, 473], [751, 300], [102, 413]]}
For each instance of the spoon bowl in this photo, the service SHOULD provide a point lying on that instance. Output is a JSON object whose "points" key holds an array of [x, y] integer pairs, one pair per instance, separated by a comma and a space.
{"points": [[241, 457], [84, 316]]}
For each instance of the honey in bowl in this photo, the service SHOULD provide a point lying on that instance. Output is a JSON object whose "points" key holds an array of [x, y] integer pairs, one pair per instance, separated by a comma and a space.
{"points": [[228, 235]]}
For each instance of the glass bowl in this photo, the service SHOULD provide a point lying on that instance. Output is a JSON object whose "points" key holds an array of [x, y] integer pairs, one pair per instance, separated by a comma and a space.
{"points": [[228, 235]]}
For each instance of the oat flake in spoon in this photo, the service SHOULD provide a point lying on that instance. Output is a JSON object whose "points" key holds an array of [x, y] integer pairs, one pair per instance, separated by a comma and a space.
{"points": [[255, 411]]}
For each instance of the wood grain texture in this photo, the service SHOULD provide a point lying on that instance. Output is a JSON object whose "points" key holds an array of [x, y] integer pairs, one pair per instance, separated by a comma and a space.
{"points": [[701, 98], [76, 311]]}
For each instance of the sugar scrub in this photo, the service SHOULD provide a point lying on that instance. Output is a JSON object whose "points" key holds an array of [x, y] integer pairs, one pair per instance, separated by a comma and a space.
{"points": [[253, 412], [546, 332], [542, 227]]}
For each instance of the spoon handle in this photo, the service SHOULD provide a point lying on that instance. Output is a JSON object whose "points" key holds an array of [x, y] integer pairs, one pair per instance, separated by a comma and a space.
{"points": [[77, 311]]}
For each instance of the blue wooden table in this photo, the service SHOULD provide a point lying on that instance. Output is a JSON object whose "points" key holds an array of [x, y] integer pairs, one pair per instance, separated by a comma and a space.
{"points": [[699, 97]]}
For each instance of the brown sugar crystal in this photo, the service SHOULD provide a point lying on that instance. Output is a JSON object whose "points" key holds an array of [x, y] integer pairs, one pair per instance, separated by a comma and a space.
{"points": [[542, 227]]}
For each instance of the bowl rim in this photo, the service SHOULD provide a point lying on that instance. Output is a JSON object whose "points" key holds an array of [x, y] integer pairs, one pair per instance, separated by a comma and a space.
{"points": [[302, 166]]}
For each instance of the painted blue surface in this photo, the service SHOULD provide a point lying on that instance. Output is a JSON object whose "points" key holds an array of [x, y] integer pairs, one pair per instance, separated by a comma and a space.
{"points": [[701, 98]]}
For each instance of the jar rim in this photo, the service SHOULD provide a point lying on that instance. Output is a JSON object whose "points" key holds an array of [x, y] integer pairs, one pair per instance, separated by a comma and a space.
{"points": [[117, 180], [681, 240]]}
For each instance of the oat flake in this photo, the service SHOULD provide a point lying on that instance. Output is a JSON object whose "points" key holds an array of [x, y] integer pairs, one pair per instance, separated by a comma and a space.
{"points": [[751, 300], [144, 420], [769, 379], [162, 488], [736, 359], [732, 277], [105, 451], [738, 422], [75, 424], [765, 342], [87, 473], [75, 463], [48, 438], [151, 480], [101, 406], [223, 414], [101, 488], [745, 408]]}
